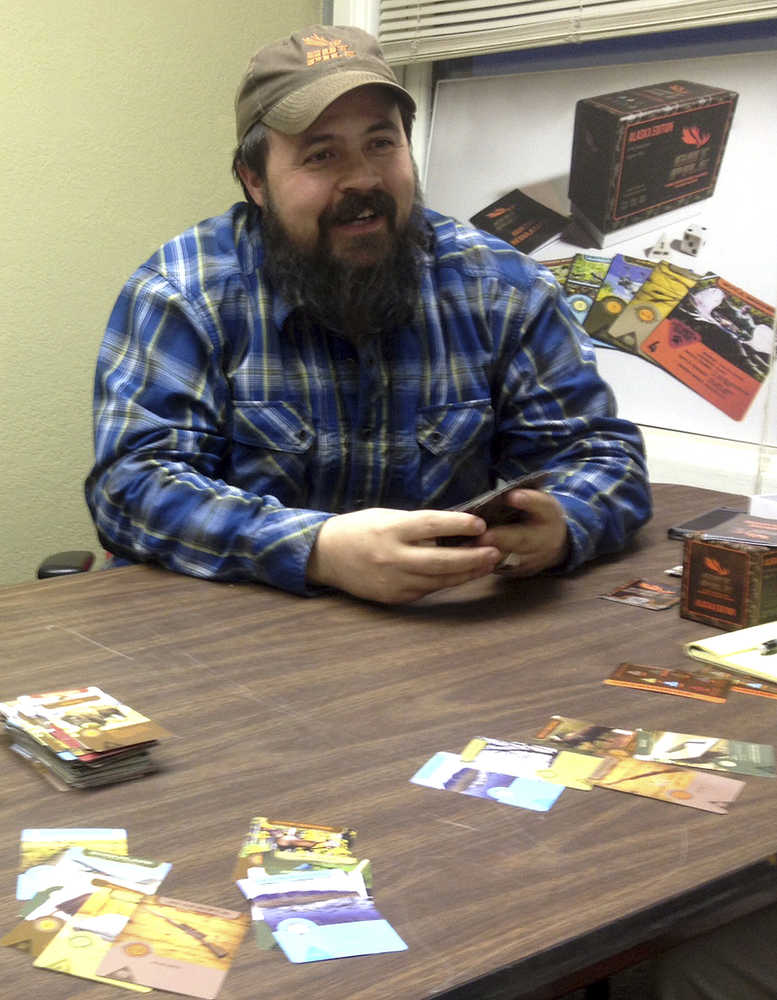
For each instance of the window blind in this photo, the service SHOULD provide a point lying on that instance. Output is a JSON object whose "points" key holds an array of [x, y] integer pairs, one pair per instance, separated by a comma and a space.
{"points": [[445, 29]]}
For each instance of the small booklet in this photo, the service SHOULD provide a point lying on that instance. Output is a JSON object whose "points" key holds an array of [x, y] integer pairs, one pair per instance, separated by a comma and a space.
{"points": [[746, 528], [750, 650], [521, 221], [705, 523]]}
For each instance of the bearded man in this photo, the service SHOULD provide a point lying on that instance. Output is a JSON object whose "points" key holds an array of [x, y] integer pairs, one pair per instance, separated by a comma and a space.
{"points": [[295, 392]]}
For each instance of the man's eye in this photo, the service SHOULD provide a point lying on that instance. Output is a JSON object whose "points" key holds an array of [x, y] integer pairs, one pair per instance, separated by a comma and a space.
{"points": [[320, 156], [383, 143]]}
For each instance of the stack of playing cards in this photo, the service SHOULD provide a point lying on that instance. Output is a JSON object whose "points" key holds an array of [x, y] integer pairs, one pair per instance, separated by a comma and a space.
{"points": [[309, 894], [94, 913], [81, 738]]}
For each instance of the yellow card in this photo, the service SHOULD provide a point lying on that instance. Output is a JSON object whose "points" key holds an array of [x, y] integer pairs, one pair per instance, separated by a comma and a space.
{"points": [[178, 946], [473, 748], [39, 845], [573, 770], [680, 785], [42, 846], [85, 940]]}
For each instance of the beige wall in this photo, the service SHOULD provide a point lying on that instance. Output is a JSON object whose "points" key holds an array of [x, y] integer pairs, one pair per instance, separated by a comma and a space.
{"points": [[117, 133]]}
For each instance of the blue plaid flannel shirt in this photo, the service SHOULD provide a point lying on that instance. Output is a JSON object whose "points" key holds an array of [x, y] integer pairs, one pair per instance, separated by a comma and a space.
{"points": [[226, 431]]}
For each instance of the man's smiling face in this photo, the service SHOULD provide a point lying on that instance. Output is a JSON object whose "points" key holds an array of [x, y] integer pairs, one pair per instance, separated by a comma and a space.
{"points": [[346, 183]]}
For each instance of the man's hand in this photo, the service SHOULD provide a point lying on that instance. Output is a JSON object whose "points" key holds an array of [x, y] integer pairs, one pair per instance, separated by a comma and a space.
{"points": [[537, 542], [391, 556]]}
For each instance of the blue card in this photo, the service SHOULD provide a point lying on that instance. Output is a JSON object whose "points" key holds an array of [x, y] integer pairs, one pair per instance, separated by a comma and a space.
{"points": [[336, 928], [449, 772]]}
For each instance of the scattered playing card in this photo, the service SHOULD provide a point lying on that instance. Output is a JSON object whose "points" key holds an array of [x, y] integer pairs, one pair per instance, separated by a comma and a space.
{"points": [[288, 843], [586, 737], [309, 894], [173, 945], [38, 846], [336, 928], [681, 786], [295, 888], [740, 683], [447, 771], [669, 681], [706, 752], [63, 885], [572, 770], [85, 938], [652, 596], [522, 760]]}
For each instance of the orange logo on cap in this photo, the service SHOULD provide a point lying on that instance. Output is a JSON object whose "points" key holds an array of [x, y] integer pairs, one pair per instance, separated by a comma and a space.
{"points": [[326, 49]]}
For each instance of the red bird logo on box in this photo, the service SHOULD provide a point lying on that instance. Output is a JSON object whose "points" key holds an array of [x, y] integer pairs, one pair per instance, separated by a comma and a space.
{"points": [[715, 566], [695, 136]]}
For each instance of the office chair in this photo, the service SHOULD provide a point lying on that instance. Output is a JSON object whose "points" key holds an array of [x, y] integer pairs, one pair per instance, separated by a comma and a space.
{"points": [[65, 564]]}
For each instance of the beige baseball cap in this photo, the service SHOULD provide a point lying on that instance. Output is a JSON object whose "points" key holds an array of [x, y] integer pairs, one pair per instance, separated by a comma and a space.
{"points": [[290, 82]]}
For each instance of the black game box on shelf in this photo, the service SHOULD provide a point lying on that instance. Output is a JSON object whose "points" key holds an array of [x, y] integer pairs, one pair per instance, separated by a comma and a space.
{"points": [[643, 152]]}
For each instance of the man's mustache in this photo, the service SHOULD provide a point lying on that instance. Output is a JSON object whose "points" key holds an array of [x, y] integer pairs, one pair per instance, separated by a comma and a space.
{"points": [[355, 204]]}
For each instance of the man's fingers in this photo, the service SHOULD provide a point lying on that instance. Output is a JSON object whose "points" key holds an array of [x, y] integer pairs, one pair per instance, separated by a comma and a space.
{"points": [[445, 561], [421, 525], [538, 541], [389, 556]]}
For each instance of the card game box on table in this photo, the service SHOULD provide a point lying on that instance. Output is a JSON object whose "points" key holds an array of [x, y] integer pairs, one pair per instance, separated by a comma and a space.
{"points": [[647, 151], [728, 584]]}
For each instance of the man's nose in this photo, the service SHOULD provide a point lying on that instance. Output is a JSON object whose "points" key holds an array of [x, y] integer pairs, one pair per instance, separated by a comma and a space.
{"points": [[358, 173]]}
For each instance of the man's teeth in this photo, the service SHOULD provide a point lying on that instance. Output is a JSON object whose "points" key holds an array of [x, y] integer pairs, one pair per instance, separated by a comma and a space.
{"points": [[364, 216]]}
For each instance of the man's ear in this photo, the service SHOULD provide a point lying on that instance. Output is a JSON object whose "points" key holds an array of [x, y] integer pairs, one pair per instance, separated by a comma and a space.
{"points": [[253, 183]]}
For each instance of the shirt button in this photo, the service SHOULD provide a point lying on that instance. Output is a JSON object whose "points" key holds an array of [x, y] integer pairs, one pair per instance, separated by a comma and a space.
{"points": [[365, 433], [435, 437]]}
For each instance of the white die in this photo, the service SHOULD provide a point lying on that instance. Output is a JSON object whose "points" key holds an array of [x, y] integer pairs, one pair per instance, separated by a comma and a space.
{"points": [[693, 239], [661, 249]]}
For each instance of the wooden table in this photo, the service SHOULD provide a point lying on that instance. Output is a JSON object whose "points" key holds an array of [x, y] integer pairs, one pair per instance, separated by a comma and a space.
{"points": [[322, 709]]}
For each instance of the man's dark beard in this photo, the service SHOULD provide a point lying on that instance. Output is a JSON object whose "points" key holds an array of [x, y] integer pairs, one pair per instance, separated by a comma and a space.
{"points": [[359, 301]]}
